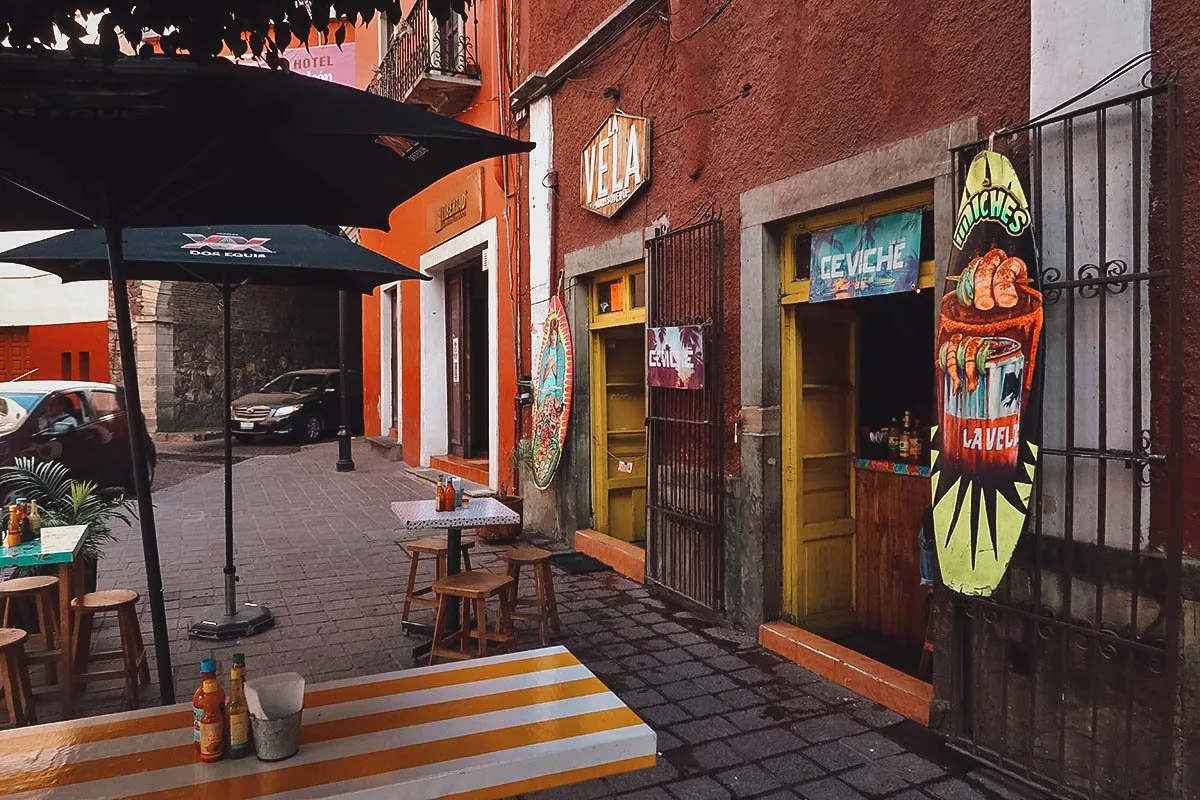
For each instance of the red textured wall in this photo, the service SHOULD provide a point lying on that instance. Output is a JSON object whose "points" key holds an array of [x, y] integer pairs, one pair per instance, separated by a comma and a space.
{"points": [[1174, 36], [47, 343], [826, 81]]}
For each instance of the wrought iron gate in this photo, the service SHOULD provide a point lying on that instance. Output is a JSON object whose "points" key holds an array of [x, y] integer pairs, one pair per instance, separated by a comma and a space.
{"points": [[1066, 677], [685, 501]]}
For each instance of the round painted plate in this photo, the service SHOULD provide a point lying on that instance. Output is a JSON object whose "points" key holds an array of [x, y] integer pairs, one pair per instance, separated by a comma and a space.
{"points": [[552, 396]]}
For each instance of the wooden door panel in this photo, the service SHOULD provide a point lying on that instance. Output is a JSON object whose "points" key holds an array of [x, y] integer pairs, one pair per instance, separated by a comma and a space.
{"points": [[620, 420], [820, 476], [456, 368]]}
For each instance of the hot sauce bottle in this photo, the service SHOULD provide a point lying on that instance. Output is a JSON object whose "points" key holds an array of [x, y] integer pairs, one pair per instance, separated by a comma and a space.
{"points": [[451, 496], [208, 670], [212, 722], [440, 495]]}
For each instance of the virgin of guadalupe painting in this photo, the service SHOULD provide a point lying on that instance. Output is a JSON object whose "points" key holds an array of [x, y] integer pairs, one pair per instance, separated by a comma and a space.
{"points": [[552, 394]]}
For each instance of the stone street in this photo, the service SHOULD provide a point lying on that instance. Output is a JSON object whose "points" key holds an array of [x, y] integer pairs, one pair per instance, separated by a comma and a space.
{"points": [[320, 548]]}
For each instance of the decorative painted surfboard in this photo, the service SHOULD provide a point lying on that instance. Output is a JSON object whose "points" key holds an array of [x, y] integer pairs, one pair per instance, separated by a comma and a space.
{"points": [[552, 394], [989, 382]]}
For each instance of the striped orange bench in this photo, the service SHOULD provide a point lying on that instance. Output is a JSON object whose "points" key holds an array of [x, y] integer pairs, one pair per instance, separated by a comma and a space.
{"points": [[489, 728]]}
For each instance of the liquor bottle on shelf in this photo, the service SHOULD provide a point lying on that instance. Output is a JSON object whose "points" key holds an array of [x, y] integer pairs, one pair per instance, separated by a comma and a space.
{"points": [[915, 443], [893, 440], [905, 433]]}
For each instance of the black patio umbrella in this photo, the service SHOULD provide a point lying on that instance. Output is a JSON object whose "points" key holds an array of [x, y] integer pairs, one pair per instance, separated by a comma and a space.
{"points": [[160, 141], [227, 257]]}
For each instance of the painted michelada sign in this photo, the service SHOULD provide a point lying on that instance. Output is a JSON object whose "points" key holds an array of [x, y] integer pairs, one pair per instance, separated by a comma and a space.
{"points": [[615, 164], [985, 448]]}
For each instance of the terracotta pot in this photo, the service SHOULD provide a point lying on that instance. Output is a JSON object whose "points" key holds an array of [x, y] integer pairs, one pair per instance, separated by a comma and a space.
{"points": [[503, 534]]}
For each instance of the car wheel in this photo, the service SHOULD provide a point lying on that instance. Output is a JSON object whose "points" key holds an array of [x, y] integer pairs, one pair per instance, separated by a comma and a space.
{"points": [[243, 438], [311, 432]]}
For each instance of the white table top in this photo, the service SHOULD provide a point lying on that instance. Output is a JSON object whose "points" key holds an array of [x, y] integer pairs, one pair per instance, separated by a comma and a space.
{"points": [[422, 515], [489, 728]]}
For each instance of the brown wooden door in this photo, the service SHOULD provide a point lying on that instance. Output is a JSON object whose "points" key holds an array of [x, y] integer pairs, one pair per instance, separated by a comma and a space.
{"points": [[458, 371], [14, 352]]}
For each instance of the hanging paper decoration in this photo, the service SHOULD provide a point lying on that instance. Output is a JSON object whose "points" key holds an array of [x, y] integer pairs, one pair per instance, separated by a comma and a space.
{"points": [[552, 394], [985, 446]]}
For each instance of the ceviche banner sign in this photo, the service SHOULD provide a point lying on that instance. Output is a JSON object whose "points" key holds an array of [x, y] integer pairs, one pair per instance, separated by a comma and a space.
{"points": [[878, 256], [675, 357]]}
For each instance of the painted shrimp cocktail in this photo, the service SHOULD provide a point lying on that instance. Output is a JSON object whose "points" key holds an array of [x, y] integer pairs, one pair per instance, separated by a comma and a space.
{"points": [[990, 330]]}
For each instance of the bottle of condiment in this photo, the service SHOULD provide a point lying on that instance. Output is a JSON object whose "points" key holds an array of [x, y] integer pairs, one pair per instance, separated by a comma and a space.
{"points": [[13, 538], [237, 711], [208, 670], [458, 493], [35, 518], [451, 496], [440, 505], [212, 722], [893, 439], [915, 443]]}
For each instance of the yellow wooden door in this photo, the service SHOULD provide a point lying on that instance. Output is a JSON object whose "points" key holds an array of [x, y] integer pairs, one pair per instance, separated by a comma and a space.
{"points": [[619, 431], [820, 407]]}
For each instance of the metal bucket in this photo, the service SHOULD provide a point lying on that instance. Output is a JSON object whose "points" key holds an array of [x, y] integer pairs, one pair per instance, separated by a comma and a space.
{"points": [[276, 739]]}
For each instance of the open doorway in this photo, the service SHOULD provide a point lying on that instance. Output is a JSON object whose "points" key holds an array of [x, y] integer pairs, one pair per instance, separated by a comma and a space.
{"points": [[468, 353]]}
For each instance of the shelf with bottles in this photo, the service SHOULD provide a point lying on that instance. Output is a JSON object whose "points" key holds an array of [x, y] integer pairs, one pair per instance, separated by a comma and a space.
{"points": [[903, 441]]}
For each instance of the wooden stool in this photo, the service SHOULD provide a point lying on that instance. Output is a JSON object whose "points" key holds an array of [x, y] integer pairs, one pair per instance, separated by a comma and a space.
{"points": [[132, 652], [14, 673], [435, 547], [477, 587], [42, 592], [546, 609]]}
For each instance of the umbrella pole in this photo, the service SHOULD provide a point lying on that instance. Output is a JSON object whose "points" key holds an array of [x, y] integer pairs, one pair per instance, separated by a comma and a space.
{"points": [[345, 461], [230, 621], [227, 369], [141, 472]]}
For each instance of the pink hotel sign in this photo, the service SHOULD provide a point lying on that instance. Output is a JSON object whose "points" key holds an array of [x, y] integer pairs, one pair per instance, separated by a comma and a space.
{"points": [[326, 62]]}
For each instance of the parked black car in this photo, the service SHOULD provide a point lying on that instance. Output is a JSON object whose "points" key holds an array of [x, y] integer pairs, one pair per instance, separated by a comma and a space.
{"points": [[303, 404], [80, 424]]}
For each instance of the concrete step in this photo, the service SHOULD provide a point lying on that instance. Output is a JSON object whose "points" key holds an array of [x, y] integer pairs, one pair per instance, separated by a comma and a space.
{"points": [[387, 447], [470, 488]]}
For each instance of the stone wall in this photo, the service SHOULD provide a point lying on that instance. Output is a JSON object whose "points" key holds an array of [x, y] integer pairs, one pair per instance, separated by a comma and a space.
{"points": [[177, 335]]}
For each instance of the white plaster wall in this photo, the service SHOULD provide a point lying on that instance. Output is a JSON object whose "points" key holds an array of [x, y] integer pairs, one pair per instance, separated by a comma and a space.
{"points": [[389, 318], [541, 164], [30, 297], [480, 240], [1073, 45]]}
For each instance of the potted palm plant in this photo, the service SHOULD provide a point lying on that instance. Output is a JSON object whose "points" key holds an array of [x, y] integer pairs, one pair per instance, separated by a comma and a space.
{"points": [[65, 501], [509, 495]]}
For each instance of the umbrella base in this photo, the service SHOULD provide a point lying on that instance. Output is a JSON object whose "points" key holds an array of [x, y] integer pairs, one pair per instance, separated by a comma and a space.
{"points": [[213, 623]]}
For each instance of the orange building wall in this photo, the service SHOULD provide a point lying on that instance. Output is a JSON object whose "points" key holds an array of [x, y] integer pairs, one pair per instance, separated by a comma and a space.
{"points": [[47, 343], [407, 241]]}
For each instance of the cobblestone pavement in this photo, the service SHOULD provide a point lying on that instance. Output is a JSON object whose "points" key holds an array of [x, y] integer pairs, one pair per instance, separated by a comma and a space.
{"points": [[319, 548]]}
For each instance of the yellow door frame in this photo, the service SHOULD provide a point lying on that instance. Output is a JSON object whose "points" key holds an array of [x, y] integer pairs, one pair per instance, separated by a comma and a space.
{"points": [[598, 323], [794, 296]]}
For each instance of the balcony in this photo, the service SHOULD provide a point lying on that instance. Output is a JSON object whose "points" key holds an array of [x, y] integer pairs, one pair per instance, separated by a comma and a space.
{"points": [[430, 64]]}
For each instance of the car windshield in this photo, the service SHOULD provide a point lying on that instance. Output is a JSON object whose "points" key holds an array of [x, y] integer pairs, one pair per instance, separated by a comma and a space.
{"points": [[295, 382], [15, 406]]}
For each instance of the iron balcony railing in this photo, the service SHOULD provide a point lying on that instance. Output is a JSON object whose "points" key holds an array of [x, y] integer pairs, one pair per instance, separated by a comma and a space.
{"points": [[425, 51]]}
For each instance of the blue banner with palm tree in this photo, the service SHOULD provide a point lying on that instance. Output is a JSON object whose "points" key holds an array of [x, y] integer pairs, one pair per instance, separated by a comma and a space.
{"points": [[878, 256]]}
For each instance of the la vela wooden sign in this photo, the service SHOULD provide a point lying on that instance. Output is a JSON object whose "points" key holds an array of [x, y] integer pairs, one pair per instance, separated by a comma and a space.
{"points": [[615, 164]]}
